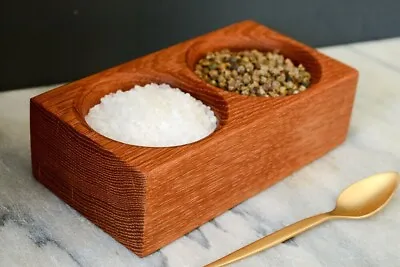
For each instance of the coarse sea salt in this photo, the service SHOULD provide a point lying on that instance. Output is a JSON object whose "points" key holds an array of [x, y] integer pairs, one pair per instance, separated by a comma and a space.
{"points": [[154, 115]]}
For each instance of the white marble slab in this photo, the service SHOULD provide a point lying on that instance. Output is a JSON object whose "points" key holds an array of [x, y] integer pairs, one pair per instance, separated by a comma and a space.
{"points": [[386, 51], [37, 229]]}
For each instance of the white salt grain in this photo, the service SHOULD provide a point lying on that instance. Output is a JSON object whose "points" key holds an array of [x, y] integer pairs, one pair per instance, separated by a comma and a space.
{"points": [[153, 115]]}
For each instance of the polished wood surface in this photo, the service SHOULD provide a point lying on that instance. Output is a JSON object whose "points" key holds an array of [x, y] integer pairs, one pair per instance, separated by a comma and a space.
{"points": [[147, 197]]}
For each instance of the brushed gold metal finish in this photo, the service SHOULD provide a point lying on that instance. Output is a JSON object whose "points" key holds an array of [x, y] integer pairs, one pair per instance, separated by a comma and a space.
{"points": [[360, 200]]}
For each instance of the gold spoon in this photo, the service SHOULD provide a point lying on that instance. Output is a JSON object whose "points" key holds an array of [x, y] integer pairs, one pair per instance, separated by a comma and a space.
{"points": [[360, 200]]}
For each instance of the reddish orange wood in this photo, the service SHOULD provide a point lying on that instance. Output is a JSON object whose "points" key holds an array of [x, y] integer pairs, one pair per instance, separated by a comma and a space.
{"points": [[147, 197]]}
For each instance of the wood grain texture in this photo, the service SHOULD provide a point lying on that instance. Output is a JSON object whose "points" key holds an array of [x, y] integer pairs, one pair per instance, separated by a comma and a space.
{"points": [[147, 197]]}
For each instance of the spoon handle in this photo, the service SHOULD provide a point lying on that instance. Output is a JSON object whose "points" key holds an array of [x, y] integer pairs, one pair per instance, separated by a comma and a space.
{"points": [[271, 240]]}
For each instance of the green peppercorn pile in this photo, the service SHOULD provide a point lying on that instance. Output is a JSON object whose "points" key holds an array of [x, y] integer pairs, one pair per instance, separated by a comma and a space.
{"points": [[255, 73]]}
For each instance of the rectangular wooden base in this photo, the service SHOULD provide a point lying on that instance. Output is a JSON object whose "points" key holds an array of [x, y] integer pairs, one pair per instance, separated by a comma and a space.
{"points": [[147, 197]]}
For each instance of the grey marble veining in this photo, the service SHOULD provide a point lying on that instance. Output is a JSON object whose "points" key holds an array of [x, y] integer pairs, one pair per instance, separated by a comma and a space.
{"points": [[38, 229]]}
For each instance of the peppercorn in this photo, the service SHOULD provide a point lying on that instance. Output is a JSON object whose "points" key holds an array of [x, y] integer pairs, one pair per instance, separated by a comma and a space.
{"points": [[305, 83], [222, 84], [233, 59], [245, 92], [256, 75], [263, 80], [289, 84], [227, 74], [261, 91], [234, 73], [246, 78], [210, 56], [249, 67], [282, 90], [252, 72], [238, 84], [264, 71], [221, 79], [288, 62], [244, 88], [213, 66], [199, 73], [213, 74], [281, 78], [241, 69], [205, 70], [205, 63], [273, 94], [275, 85]]}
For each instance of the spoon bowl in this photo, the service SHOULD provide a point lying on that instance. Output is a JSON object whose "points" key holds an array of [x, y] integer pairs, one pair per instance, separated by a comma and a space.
{"points": [[366, 197]]}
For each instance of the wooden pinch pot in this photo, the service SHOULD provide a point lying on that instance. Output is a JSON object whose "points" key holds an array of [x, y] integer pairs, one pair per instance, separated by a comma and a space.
{"points": [[147, 197]]}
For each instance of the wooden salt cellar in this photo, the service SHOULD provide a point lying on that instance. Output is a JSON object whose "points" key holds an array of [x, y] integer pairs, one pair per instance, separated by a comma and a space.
{"points": [[147, 197]]}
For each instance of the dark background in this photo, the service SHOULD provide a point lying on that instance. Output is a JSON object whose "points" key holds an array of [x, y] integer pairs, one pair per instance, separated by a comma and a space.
{"points": [[48, 41]]}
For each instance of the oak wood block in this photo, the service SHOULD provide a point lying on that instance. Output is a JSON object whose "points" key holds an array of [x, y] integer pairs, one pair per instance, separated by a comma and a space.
{"points": [[147, 197]]}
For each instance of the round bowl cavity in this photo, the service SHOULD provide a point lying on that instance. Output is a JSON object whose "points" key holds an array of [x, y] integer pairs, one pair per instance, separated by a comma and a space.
{"points": [[92, 95], [296, 53]]}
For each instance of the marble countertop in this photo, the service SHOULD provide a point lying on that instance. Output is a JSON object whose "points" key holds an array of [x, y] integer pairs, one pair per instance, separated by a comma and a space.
{"points": [[38, 229]]}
